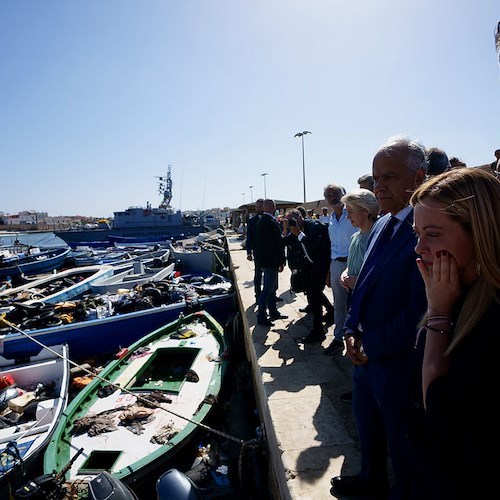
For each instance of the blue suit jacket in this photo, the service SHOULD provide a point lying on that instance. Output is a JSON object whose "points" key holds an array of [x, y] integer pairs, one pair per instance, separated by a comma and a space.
{"points": [[392, 299]]}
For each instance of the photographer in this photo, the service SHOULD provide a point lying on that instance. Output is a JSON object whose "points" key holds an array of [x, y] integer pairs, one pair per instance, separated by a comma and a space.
{"points": [[308, 247]]}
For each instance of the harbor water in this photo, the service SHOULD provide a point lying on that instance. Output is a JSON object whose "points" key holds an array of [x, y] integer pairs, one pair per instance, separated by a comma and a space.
{"points": [[45, 239]]}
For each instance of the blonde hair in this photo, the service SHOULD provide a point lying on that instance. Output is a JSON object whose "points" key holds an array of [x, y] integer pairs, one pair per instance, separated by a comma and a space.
{"points": [[362, 198], [472, 198]]}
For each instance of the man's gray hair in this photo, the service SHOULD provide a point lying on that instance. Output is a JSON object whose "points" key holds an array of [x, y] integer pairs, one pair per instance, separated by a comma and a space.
{"points": [[333, 187], [416, 154]]}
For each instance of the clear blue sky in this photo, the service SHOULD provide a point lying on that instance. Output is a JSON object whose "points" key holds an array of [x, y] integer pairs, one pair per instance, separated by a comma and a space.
{"points": [[99, 96]]}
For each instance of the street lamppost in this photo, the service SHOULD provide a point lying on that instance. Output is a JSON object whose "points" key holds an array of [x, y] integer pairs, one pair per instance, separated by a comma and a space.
{"points": [[243, 194], [251, 194], [301, 135], [264, 175]]}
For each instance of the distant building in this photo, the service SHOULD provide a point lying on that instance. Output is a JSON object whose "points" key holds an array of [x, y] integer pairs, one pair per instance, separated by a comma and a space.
{"points": [[31, 220]]}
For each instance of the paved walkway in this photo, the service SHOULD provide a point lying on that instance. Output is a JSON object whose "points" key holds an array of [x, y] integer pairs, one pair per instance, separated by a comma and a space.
{"points": [[311, 433]]}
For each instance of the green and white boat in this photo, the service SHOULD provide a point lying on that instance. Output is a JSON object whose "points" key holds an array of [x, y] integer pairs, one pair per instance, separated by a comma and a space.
{"points": [[145, 407]]}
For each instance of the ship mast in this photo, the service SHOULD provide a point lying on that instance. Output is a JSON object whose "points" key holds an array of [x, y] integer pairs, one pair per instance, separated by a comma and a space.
{"points": [[165, 188]]}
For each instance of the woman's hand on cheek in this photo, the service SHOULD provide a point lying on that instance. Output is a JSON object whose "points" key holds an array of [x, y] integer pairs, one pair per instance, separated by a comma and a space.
{"points": [[442, 283]]}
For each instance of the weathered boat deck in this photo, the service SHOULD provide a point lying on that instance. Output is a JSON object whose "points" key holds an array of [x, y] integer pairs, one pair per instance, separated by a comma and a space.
{"points": [[311, 433]]}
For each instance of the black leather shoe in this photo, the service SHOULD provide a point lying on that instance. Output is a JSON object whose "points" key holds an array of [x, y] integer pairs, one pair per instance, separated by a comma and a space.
{"points": [[279, 299], [278, 316], [346, 397], [328, 318], [314, 337], [354, 485], [335, 346], [265, 322]]}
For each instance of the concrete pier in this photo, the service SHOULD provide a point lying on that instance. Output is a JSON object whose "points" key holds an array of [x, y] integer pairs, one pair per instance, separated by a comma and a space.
{"points": [[311, 433]]}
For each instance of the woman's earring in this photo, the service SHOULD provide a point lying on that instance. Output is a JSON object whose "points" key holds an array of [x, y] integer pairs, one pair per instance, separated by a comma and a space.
{"points": [[478, 268]]}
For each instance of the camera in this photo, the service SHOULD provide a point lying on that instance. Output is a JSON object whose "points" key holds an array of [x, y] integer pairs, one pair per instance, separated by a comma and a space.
{"points": [[292, 222]]}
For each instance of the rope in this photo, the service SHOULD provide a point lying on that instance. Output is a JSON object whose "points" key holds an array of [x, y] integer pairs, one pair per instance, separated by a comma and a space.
{"points": [[214, 249], [13, 451], [137, 396], [224, 267], [254, 444]]}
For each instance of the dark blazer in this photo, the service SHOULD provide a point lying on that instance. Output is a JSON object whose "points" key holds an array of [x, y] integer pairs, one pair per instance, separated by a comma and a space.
{"points": [[317, 242], [269, 249], [251, 231], [392, 299]]}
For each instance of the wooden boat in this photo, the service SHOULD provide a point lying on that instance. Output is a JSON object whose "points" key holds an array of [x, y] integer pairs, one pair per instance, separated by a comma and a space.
{"points": [[101, 324], [58, 287], [153, 239], [23, 441], [33, 263], [206, 252], [150, 400], [130, 278], [191, 256], [122, 258], [85, 256]]}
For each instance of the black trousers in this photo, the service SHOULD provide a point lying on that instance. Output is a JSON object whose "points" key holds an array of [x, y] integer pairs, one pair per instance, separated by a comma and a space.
{"points": [[316, 298]]}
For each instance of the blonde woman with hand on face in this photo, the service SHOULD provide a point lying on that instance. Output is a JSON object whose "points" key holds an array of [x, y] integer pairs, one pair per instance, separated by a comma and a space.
{"points": [[456, 219]]}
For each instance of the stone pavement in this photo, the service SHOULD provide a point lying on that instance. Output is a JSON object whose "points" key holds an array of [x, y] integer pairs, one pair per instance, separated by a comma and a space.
{"points": [[311, 433]]}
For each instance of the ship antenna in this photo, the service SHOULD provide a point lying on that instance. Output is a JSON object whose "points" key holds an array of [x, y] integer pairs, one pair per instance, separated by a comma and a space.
{"points": [[165, 188]]}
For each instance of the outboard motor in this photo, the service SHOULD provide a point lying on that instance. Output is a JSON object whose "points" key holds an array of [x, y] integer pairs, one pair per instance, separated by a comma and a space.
{"points": [[174, 484], [105, 486], [47, 486]]}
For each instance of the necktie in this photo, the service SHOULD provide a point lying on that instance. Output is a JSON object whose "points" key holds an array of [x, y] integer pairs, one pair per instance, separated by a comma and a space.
{"points": [[364, 276]]}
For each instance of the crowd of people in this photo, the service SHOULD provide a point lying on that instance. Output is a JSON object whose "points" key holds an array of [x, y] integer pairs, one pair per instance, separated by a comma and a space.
{"points": [[412, 261]]}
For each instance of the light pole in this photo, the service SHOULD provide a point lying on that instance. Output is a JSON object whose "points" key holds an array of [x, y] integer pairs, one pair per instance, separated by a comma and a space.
{"points": [[243, 194], [264, 175], [251, 194], [301, 135]]}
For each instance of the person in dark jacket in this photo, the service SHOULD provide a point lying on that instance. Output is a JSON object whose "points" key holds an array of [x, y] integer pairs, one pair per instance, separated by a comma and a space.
{"points": [[250, 244], [458, 230], [387, 303], [270, 253], [308, 247]]}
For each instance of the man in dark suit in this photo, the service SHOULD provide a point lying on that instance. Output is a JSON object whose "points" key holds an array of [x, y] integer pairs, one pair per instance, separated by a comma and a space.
{"points": [[250, 246], [387, 303], [270, 253], [308, 242]]}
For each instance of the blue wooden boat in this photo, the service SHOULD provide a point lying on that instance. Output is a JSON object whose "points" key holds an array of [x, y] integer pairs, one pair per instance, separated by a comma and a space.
{"points": [[57, 287], [120, 257], [135, 276], [29, 264], [151, 240], [153, 397], [104, 324]]}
